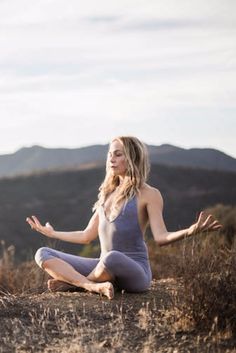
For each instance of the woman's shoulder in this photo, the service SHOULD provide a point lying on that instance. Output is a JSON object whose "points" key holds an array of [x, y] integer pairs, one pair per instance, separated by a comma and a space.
{"points": [[148, 193]]}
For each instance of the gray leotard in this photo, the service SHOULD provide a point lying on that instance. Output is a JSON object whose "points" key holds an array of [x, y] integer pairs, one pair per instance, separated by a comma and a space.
{"points": [[123, 251]]}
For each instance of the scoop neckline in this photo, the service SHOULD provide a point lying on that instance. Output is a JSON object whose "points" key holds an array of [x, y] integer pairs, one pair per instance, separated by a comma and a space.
{"points": [[119, 214]]}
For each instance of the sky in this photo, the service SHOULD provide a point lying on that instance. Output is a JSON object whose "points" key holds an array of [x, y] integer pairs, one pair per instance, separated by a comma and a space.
{"points": [[76, 73]]}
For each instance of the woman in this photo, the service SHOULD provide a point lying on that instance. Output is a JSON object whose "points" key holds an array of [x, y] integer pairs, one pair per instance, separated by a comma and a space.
{"points": [[126, 205]]}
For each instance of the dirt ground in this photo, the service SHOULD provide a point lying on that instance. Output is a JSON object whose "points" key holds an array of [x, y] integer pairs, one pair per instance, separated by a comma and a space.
{"points": [[88, 323]]}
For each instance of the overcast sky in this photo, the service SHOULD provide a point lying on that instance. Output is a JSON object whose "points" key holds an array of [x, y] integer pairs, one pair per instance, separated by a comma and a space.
{"points": [[75, 73]]}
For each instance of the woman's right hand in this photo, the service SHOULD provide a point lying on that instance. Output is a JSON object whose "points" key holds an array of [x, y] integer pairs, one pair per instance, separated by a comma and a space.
{"points": [[35, 224]]}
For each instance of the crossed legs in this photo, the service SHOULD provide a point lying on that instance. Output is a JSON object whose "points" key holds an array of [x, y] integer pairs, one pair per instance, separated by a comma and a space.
{"points": [[65, 276], [94, 275]]}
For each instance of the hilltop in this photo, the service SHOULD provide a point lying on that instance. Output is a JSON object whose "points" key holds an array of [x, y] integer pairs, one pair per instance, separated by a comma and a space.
{"points": [[34, 159]]}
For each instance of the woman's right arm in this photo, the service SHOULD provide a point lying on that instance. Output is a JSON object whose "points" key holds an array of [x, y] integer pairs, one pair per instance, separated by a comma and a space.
{"points": [[80, 236]]}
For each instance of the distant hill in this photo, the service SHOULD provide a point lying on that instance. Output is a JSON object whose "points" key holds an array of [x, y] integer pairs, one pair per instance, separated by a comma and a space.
{"points": [[206, 158], [65, 199], [36, 159]]}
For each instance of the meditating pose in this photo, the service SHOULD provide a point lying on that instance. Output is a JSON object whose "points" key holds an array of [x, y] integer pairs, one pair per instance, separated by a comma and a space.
{"points": [[126, 205]]}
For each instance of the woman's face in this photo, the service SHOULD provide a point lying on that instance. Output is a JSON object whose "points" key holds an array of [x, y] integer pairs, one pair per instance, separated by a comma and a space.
{"points": [[116, 158]]}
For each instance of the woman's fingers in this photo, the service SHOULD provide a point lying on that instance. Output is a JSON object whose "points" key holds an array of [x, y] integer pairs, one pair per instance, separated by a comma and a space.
{"points": [[215, 225], [36, 221], [207, 222], [31, 223], [218, 226], [202, 218], [212, 226], [202, 221]]}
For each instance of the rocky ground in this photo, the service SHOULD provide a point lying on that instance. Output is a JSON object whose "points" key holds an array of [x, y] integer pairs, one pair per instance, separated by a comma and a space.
{"points": [[85, 322]]}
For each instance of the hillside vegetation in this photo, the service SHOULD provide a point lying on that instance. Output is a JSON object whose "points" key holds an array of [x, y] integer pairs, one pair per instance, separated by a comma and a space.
{"points": [[66, 198]]}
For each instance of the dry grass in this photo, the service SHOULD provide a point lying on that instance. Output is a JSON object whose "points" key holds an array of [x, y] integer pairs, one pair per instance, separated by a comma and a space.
{"points": [[82, 322], [209, 278], [17, 279]]}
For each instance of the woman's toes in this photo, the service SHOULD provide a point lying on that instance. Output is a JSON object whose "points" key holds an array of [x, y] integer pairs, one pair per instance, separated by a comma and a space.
{"points": [[109, 290]]}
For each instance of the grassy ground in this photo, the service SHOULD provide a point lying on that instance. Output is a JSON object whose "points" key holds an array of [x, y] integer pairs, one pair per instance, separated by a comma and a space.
{"points": [[85, 322]]}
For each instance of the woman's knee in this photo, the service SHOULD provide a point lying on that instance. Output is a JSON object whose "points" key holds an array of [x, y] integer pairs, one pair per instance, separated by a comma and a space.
{"points": [[41, 255], [113, 258]]}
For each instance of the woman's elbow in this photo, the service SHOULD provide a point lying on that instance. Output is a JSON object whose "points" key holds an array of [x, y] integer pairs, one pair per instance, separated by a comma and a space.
{"points": [[161, 241], [86, 239]]}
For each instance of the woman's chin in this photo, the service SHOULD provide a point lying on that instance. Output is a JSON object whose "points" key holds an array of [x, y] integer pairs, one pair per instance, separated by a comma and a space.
{"points": [[113, 171]]}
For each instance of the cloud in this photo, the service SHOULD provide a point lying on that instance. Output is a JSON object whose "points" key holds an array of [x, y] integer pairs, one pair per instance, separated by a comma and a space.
{"points": [[156, 24], [104, 19], [117, 63]]}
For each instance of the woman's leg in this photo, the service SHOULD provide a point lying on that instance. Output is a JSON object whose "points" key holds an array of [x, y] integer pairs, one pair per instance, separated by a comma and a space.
{"points": [[62, 271], [100, 274], [125, 272], [64, 267]]}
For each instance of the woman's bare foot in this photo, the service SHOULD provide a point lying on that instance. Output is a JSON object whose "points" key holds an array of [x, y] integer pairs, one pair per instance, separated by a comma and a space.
{"points": [[55, 285], [105, 288]]}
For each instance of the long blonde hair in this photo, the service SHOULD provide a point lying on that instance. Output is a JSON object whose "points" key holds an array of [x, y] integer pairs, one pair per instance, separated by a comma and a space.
{"points": [[138, 168]]}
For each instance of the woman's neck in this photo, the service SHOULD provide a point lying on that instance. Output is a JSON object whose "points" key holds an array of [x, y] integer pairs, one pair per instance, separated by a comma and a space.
{"points": [[121, 180]]}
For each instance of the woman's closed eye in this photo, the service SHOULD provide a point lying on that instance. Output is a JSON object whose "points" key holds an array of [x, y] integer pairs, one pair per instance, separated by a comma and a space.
{"points": [[115, 154]]}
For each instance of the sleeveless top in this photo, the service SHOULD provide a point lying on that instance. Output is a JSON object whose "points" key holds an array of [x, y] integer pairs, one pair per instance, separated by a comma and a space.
{"points": [[123, 233]]}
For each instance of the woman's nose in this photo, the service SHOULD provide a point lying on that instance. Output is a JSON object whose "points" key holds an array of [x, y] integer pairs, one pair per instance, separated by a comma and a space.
{"points": [[112, 158]]}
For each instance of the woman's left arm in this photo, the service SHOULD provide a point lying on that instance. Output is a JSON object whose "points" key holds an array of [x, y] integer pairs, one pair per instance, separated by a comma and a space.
{"points": [[158, 227]]}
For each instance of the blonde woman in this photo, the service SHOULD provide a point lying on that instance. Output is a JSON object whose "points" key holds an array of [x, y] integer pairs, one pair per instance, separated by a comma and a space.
{"points": [[126, 205]]}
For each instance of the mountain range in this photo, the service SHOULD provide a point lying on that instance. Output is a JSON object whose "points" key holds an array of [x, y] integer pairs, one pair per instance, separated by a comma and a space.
{"points": [[29, 160]]}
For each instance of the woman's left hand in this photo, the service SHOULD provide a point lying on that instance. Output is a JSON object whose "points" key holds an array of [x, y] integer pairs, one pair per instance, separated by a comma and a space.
{"points": [[205, 223]]}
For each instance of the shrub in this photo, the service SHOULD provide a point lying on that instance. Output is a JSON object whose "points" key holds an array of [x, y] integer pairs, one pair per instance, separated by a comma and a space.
{"points": [[26, 277], [209, 279]]}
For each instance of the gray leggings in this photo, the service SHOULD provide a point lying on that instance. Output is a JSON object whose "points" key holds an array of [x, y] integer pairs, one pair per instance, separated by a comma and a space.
{"points": [[130, 275]]}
